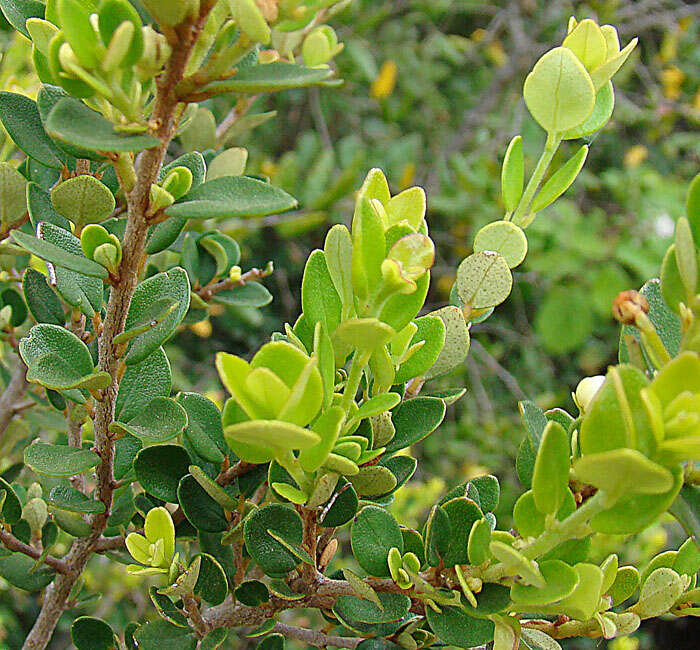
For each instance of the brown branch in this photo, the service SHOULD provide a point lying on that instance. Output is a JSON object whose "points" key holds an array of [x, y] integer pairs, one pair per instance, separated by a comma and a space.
{"points": [[11, 395], [195, 616], [232, 473], [109, 544], [11, 543], [316, 638], [166, 113], [206, 293]]}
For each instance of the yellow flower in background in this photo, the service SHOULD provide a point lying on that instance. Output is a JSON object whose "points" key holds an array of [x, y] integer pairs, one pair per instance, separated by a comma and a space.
{"points": [[636, 155], [385, 82], [672, 78]]}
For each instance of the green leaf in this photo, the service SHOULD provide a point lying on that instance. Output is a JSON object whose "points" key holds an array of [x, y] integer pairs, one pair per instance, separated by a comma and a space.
{"points": [[455, 627], [171, 285], [559, 92], [394, 607], [11, 507], [141, 383], [125, 450], [659, 593], [364, 333], [13, 195], [41, 208], [232, 197], [625, 584], [204, 431], [513, 174], [75, 23], [462, 513], [377, 404], [431, 333], [602, 112], [623, 471], [484, 280], [200, 509], [72, 122], [271, 556], [19, 570], [328, 427], [338, 252], [686, 257], [43, 303], [635, 512], [160, 421], [560, 181], [368, 249], [273, 434], [72, 500], [692, 207], [213, 489], [161, 634], [112, 14], [457, 342], [17, 12], [58, 359], [550, 480], [83, 200], [159, 469], [20, 117], [319, 299], [505, 238], [272, 77], [57, 255], [89, 633], [59, 460], [373, 534], [166, 608], [560, 582], [252, 593], [686, 509], [373, 481], [211, 584], [415, 419], [250, 294]]}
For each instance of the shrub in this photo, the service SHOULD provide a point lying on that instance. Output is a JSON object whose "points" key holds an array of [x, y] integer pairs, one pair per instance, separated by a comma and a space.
{"points": [[229, 516]]}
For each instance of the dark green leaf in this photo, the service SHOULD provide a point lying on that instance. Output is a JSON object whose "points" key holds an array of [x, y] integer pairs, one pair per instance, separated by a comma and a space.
{"points": [[200, 509], [415, 419], [250, 294], [373, 534], [141, 383], [455, 627], [18, 12], [90, 633], [232, 196], [20, 117], [68, 498], [271, 556], [159, 469], [17, 570], [43, 303], [272, 77], [74, 123], [170, 285], [161, 634], [59, 460], [211, 584]]}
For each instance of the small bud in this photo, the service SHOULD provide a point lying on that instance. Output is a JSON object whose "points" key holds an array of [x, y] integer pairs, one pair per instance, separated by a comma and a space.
{"points": [[234, 274], [34, 492], [628, 305], [320, 46], [159, 199], [586, 391], [178, 182], [35, 513], [108, 256], [251, 20], [118, 46]]}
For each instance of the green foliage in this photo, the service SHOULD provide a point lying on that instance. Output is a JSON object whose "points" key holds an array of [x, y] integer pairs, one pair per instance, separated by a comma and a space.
{"points": [[240, 503]]}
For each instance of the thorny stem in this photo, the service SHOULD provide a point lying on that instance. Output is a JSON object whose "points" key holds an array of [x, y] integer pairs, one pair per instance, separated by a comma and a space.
{"points": [[166, 114]]}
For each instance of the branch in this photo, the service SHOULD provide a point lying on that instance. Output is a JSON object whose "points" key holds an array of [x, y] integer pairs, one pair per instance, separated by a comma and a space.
{"points": [[13, 544], [206, 293], [165, 117], [11, 396], [316, 639]]}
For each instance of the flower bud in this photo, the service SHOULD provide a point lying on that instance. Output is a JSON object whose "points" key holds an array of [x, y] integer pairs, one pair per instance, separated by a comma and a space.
{"points": [[118, 47], [628, 305], [35, 514], [251, 20], [586, 391]]}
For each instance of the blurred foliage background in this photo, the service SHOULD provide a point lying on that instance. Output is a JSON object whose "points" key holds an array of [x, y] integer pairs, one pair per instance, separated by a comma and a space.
{"points": [[432, 94]]}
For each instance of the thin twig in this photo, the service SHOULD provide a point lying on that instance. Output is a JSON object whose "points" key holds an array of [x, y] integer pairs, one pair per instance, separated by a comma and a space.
{"points": [[207, 292], [13, 544], [316, 638]]}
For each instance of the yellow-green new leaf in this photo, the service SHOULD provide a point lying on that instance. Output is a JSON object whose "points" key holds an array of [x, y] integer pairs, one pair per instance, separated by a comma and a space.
{"points": [[550, 479]]}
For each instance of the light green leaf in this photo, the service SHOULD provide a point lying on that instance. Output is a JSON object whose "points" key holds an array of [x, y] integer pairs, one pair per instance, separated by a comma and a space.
{"points": [[512, 174], [505, 238], [559, 92], [560, 181], [484, 280]]}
